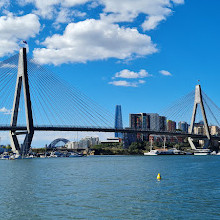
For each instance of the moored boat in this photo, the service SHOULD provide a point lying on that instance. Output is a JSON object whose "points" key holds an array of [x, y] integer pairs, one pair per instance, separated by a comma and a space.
{"points": [[75, 155], [152, 153], [5, 156], [202, 152]]}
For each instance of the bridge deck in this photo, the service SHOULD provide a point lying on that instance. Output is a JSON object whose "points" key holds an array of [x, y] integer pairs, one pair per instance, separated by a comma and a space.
{"points": [[95, 129]]}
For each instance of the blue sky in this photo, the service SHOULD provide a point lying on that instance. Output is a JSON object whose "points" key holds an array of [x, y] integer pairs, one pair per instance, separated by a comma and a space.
{"points": [[141, 54]]}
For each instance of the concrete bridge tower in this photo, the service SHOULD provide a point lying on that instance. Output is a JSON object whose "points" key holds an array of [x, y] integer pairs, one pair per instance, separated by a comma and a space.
{"points": [[199, 102], [22, 80]]}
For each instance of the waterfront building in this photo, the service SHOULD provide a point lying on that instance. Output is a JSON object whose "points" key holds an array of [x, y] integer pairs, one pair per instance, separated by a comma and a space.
{"points": [[154, 121], [145, 121], [72, 145], [183, 126], [88, 142], [162, 123], [84, 143], [148, 121], [118, 121], [214, 130], [140, 121], [199, 128], [171, 125]]}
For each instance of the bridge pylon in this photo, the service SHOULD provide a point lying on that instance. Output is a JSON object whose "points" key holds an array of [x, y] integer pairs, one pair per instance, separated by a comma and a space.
{"points": [[199, 101], [22, 80]]}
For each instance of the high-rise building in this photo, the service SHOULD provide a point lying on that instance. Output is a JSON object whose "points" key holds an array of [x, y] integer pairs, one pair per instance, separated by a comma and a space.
{"points": [[198, 128], [214, 130], [171, 125], [140, 121], [162, 123], [154, 121], [118, 120], [148, 121], [183, 126]]}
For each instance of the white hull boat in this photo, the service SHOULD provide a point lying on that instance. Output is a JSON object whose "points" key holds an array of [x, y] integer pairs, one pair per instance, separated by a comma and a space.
{"points": [[202, 152], [151, 153]]}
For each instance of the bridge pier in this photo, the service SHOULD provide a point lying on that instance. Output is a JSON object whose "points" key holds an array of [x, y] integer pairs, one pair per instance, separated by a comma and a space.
{"points": [[22, 80]]}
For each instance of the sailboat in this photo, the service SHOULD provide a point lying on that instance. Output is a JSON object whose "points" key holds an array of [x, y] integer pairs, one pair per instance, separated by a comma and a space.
{"points": [[151, 152]]}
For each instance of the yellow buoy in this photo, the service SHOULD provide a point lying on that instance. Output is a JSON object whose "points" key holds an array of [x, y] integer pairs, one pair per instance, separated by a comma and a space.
{"points": [[158, 176]]}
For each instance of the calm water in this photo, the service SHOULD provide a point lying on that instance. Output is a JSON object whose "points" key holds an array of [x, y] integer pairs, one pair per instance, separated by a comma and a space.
{"points": [[111, 187]]}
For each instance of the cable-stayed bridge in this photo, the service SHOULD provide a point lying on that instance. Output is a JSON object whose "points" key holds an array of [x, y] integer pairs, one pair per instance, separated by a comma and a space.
{"points": [[35, 99]]}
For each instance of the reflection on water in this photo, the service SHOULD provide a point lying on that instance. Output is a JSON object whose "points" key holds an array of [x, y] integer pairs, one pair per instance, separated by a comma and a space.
{"points": [[111, 187]]}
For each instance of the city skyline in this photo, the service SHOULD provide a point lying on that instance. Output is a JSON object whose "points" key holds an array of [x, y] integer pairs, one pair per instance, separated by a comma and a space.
{"points": [[160, 63]]}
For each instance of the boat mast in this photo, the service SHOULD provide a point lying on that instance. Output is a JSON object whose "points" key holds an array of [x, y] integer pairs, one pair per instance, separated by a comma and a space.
{"points": [[151, 146], [164, 141]]}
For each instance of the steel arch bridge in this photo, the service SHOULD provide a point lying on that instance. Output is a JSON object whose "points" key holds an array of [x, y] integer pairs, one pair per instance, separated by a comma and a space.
{"points": [[54, 142]]}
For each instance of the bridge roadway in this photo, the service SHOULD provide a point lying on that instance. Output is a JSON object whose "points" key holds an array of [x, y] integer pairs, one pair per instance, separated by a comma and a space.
{"points": [[19, 129]]}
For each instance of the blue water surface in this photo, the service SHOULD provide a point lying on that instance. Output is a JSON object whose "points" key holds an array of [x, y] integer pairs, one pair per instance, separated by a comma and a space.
{"points": [[111, 187]]}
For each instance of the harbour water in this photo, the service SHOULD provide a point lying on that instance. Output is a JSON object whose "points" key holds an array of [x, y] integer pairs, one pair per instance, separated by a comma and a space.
{"points": [[111, 187]]}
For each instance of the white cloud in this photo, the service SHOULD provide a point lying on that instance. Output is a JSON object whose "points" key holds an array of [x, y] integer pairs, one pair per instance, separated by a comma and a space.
{"points": [[65, 15], [126, 83], [14, 29], [5, 111], [127, 74], [122, 10], [165, 73], [48, 8], [93, 5], [45, 8], [178, 1], [79, 13], [4, 3], [93, 40], [141, 81], [71, 3], [7, 65], [127, 10], [97, 39], [152, 22], [114, 10]]}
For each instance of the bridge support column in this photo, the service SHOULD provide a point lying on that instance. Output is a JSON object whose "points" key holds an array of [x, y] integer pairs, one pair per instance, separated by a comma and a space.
{"points": [[22, 80], [199, 101]]}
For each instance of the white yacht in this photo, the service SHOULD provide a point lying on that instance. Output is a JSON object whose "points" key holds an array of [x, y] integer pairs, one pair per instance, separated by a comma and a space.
{"points": [[152, 153], [201, 152]]}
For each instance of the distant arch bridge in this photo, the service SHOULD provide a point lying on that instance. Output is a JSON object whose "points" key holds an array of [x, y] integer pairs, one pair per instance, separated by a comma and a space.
{"points": [[56, 141]]}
